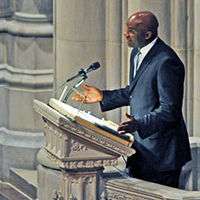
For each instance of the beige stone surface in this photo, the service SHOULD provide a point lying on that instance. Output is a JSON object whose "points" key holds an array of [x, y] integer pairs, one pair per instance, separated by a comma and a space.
{"points": [[196, 115], [33, 7], [37, 50], [2, 48], [3, 106], [196, 80], [21, 48], [135, 189], [18, 109], [86, 21]]}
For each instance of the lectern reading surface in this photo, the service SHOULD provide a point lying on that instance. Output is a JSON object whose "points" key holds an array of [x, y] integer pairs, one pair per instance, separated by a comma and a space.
{"points": [[100, 126]]}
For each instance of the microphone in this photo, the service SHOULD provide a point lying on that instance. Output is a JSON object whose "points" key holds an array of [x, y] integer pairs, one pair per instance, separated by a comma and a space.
{"points": [[92, 67], [83, 72]]}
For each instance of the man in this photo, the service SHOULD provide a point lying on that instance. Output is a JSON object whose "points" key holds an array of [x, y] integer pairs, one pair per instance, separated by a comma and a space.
{"points": [[155, 95]]}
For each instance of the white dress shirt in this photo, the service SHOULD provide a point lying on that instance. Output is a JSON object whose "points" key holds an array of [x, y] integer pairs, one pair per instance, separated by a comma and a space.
{"points": [[143, 52]]}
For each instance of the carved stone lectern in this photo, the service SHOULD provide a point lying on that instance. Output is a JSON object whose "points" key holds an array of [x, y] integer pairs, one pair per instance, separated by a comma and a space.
{"points": [[79, 149]]}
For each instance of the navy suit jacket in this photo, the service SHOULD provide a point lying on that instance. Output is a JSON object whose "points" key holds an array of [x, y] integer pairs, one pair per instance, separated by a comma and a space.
{"points": [[155, 97]]}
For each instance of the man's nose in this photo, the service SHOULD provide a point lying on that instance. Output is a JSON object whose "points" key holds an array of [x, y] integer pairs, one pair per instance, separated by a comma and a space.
{"points": [[126, 34]]}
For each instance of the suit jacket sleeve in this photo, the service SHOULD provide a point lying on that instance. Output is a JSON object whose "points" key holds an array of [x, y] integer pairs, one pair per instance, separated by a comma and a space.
{"points": [[115, 98], [170, 81]]}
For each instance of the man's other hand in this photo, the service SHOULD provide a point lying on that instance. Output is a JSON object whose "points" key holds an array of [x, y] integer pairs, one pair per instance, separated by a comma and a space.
{"points": [[90, 94], [129, 126]]}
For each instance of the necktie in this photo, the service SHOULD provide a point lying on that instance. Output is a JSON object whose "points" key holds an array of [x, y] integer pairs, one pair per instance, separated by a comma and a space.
{"points": [[136, 62]]}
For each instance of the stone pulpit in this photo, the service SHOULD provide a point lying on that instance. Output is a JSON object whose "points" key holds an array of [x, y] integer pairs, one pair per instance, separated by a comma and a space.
{"points": [[78, 146]]}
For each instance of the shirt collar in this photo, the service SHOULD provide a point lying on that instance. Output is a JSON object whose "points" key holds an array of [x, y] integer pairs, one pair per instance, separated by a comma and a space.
{"points": [[144, 50]]}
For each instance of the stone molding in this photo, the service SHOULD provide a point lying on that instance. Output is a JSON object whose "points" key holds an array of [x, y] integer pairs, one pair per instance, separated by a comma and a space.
{"points": [[88, 164], [18, 149], [135, 189], [27, 17], [9, 190], [26, 78], [26, 29], [21, 139], [123, 196]]}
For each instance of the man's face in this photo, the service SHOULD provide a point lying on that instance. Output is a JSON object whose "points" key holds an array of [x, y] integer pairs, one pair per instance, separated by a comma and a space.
{"points": [[135, 32], [131, 36]]}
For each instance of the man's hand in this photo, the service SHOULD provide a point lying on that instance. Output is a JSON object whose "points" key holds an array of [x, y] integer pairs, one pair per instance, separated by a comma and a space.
{"points": [[90, 95], [129, 126]]}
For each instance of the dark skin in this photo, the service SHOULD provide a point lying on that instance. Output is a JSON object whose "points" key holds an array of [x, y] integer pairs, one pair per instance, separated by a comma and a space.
{"points": [[141, 29]]}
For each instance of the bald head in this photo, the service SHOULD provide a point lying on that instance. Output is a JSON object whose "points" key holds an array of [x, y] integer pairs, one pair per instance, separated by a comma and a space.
{"points": [[145, 24], [144, 21]]}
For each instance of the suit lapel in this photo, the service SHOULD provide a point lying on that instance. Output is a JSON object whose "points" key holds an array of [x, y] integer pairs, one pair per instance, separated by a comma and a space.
{"points": [[144, 65]]}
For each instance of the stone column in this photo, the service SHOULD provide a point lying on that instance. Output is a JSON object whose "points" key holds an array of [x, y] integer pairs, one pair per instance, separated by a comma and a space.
{"points": [[114, 30], [125, 57], [196, 106], [189, 81], [5, 11], [79, 41], [179, 38]]}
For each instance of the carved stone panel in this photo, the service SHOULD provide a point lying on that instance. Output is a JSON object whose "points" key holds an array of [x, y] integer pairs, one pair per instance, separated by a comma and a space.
{"points": [[77, 147], [81, 185]]}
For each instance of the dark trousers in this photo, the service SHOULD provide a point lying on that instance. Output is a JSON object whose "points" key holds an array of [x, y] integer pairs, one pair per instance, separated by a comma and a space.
{"points": [[168, 178]]}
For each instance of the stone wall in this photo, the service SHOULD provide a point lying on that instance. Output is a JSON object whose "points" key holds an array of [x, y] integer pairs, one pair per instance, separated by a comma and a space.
{"points": [[26, 73]]}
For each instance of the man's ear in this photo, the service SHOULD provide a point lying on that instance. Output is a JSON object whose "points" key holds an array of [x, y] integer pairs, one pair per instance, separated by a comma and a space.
{"points": [[148, 35]]}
